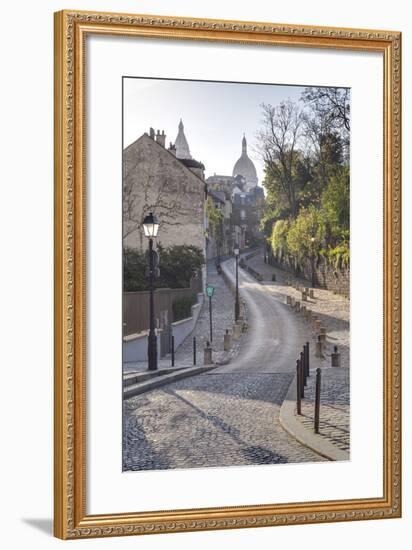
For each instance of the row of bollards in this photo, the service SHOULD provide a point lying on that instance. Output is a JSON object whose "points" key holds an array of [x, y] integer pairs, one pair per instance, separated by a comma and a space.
{"points": [[208, 360], [302, 373], [319, 329], [172, 355]]}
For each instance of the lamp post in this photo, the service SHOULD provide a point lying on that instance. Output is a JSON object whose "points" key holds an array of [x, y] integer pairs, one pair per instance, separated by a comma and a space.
{"points": [[312, 260], [151, 227], [236, 253]]}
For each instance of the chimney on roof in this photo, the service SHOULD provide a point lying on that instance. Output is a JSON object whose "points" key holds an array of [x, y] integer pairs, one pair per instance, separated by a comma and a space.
{"points": [[161, 138], [152, 133], [172, 149]]}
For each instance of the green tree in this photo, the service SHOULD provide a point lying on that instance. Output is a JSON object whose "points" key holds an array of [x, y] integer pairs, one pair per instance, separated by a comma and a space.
{"points": [[335, 201], [278, 240], [306, 234]]}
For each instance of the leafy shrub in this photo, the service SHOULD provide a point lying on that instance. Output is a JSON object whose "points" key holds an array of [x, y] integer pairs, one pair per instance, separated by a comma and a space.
{"points": [[177, 265]]}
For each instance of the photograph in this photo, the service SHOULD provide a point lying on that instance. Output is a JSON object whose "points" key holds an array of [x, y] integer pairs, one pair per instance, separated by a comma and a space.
{"points": [[236, 274]]}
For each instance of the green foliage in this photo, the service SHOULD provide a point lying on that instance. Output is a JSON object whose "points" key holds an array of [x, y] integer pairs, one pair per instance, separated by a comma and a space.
{"points": [[278, 240], [182, 307], [178, 264], [335, 202], [134, 266], [338, 256], [306, 234], [284, 200], [215, 218]]}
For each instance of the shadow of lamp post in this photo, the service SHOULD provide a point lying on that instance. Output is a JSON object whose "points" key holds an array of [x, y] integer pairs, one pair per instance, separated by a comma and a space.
{"points": [[151, 227]]}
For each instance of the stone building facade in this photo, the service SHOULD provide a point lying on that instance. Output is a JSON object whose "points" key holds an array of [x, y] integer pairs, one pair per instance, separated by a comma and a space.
{"points": [[156, 179], [246, 200]]}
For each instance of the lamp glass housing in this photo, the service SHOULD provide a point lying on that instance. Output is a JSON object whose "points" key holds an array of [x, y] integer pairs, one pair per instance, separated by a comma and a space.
{"points": [[150, 226]]}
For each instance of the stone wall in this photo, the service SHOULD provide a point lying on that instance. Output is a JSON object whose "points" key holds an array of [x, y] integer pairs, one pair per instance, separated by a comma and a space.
{"points": [[337, 280], [326, 276]]}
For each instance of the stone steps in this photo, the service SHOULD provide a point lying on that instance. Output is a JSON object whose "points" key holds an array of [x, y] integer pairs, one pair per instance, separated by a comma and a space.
{"points": [[138, 377], [159, 379]]}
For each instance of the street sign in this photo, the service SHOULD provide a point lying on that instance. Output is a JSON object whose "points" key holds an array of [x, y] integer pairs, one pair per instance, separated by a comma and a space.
{"points": [[210, 290]]}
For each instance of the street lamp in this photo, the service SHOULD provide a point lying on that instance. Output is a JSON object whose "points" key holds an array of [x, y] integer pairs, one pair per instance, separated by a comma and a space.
{"points": [[150, 228], [312, 260], [236, 253]]}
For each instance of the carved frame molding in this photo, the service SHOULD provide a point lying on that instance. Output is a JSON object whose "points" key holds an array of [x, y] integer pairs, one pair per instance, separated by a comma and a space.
{"points": [[71, 29]]}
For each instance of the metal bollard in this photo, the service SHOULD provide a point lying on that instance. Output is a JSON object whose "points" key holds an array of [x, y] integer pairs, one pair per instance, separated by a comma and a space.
{"points": [[335, 357], [288, 300], [307, 359], [173, 351], [194, 350], [298, 389], [302, 380], [297, 307], [304, 296], [311, 293], [303, 363], [317, 400], [207, 354]]}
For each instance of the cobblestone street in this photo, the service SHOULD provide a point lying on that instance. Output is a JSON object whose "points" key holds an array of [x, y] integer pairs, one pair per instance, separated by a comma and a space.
{"points": [[211, 420]]}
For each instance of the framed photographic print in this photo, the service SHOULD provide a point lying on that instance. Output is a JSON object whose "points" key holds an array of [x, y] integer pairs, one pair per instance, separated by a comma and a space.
{"points": [[227, 274]]}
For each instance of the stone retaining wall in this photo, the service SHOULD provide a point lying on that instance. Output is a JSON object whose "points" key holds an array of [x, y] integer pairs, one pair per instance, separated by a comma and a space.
{"points": [[326, 276]]}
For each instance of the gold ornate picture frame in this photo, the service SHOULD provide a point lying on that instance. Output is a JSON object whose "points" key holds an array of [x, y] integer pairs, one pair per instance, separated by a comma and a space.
{"points": [[71, 518]]}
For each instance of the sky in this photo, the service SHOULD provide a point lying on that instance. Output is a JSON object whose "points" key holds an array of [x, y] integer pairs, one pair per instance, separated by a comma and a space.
{"points": [[215, 116]]}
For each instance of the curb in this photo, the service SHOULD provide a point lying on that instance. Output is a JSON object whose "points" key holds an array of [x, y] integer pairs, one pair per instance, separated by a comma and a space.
{"points": [[311, 440], [143, 387]]}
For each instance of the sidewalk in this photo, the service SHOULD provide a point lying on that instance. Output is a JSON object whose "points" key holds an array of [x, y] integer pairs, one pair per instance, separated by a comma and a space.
{"points": [[222, 319], [333, 440]]}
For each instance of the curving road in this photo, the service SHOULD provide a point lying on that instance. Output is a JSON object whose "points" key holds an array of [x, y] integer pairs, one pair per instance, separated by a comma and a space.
{"points": [[274, 337]]}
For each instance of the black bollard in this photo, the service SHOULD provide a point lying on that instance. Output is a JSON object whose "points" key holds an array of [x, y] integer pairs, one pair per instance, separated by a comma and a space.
{"points": [[317, 400], [303, 362], [194, 350], [307, 359], [298, 388], [302, 378], [173, 351]]}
